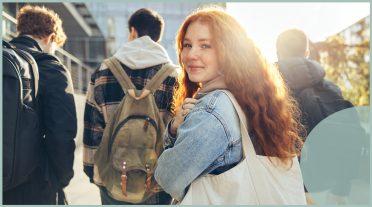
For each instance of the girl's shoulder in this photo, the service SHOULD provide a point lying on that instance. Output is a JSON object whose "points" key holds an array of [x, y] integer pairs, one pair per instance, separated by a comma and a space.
{"points": [[216, 102]]}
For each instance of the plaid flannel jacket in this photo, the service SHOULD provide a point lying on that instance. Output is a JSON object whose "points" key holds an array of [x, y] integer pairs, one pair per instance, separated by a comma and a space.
{"points": [[104, 95]]}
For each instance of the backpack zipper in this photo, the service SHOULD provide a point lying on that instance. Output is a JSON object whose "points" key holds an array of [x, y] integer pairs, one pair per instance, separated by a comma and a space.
{"points": [[145, 127], [124, 179]]}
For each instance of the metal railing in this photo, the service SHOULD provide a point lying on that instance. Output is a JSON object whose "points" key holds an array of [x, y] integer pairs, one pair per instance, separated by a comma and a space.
{"points": [[80, 72]]}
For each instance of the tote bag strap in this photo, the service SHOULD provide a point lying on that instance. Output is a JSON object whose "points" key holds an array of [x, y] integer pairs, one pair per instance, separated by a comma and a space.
{"points": [[248, 146]]}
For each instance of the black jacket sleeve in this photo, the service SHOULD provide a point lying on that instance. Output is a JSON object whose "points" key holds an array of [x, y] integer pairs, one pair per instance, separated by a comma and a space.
{"points": [[58, 117]]}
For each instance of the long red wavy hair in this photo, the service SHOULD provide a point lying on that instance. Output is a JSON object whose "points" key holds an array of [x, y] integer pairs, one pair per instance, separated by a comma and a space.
{"points": [[272, 114]]}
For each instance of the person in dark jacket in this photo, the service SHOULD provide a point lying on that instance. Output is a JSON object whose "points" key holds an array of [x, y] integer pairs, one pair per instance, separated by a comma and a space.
{"points": [[317, 99], [40, 33], [304, 77]]}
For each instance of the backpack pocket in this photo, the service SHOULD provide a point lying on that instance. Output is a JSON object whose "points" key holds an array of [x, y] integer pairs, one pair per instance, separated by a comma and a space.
{"points": [[136, 131], [133, 157]]}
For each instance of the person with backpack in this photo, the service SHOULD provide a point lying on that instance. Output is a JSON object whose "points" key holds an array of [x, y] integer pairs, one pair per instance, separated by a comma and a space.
{"points": [[317, 97], [232, 111], [128, 105], [40, 33]]}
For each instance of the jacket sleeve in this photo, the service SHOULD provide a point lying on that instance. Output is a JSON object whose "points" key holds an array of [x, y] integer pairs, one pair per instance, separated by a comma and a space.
{"points": [[201, 139], [58, 118], [94, 125], [169, 140], [170, 84]]}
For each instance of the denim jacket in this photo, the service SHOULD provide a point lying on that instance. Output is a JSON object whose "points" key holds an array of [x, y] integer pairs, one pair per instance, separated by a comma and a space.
{"points": [[207, 142]]}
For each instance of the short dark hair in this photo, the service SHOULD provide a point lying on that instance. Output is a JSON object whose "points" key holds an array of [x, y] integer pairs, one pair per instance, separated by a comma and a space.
{"points": [[147, 22], [292, 43]]}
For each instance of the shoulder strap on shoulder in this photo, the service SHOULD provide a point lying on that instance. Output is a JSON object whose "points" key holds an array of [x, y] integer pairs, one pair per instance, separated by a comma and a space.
{"points": [[30, 59], [248, 147], [35, 71], [160, 76], [119, 73], [7, 44]]}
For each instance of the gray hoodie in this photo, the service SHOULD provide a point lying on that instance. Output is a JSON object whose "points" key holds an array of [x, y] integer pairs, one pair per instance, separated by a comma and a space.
{"points": [[142, 53]]}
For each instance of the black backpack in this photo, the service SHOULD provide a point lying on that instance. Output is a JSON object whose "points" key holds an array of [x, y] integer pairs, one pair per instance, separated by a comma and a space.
{"points": [[333, 142], [22, 140], [318, 102]]}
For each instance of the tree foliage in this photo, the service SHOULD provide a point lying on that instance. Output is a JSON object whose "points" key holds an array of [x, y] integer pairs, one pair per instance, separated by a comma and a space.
{"points": [[346, 59]]}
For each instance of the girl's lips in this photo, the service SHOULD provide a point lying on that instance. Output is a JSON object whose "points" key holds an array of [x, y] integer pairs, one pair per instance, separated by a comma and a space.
{"points": [[194, 68]]}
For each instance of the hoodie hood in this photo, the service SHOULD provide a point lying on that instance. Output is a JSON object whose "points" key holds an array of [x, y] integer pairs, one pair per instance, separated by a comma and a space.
{"points": [[142, 53], [300, 73]]}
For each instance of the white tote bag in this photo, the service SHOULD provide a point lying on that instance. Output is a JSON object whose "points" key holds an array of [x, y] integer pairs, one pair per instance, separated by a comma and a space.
{"points": [[255, 180]]}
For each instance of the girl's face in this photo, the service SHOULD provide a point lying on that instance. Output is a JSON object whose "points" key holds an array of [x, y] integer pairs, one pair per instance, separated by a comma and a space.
{"points": [[199, 54]]}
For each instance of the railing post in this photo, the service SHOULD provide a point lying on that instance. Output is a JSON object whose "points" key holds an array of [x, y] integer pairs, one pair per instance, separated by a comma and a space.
{"points": [[80, 78], [68, 63], [88, 74]]}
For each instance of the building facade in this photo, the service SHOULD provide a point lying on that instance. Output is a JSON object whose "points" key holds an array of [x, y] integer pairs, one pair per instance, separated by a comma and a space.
{"points": [[112, 18]]}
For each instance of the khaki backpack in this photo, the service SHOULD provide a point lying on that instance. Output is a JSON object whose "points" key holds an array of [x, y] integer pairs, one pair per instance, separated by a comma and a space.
{"points": [[132, 140]]}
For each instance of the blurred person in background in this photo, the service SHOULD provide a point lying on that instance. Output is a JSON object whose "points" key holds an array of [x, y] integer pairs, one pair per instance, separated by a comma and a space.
{"points": [[318, 98]]}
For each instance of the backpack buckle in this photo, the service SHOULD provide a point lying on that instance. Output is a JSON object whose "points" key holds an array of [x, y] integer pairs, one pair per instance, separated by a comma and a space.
{"points": [[124, 180], [146, 125], [148, 178]]}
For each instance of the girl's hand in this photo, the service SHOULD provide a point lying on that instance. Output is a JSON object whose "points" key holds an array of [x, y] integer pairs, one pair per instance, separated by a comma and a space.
{"points": [[187, 105]]}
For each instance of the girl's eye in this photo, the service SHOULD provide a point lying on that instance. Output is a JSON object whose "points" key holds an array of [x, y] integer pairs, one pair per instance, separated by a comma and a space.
{"points": [[205, 46], [186, 45]]}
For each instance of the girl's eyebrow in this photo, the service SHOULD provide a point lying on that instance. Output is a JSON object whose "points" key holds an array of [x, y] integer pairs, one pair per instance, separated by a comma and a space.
{"points": [[199, 40]]}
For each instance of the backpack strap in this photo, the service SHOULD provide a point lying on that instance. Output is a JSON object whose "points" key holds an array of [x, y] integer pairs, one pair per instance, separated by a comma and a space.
{"points": [[35, 70], [128, 86], [7, 44], [119, 73], [159, 77], [24, 53]]}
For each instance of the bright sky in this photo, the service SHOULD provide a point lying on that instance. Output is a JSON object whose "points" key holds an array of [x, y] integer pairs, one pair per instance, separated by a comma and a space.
{"points": [[264, 21]]}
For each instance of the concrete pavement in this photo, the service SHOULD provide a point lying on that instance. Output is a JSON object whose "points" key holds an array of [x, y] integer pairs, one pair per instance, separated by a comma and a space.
{"points": [[80, 191]]}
